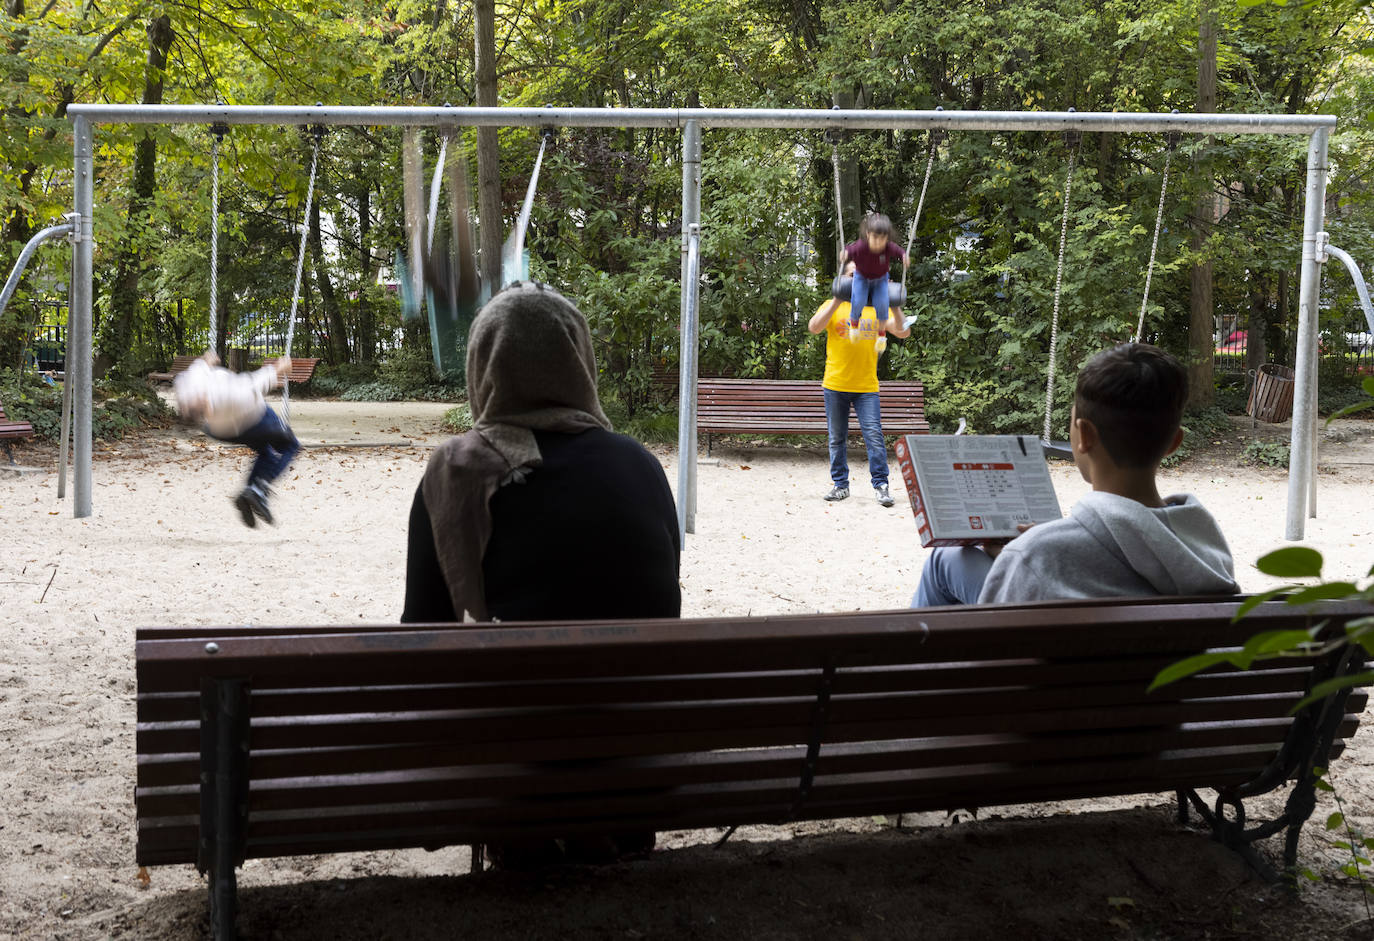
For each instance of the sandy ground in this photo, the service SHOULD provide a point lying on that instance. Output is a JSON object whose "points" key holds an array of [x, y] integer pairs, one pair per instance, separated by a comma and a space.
{"points": [[164, 546]]}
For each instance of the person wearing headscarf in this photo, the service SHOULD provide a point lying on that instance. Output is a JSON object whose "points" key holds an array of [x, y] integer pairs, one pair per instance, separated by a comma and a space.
{"points": [[540, 512]]}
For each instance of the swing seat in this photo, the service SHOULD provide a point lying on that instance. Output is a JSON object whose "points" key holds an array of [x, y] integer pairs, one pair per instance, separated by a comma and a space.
{"points": [[842, 289]]}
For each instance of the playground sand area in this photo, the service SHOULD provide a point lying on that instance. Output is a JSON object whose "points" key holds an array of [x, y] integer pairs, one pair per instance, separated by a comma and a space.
{"points": [[165, 546]]}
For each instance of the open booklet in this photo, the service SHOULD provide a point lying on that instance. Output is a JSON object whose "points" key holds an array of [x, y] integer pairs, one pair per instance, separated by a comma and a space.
{"points": [[967, 489]]}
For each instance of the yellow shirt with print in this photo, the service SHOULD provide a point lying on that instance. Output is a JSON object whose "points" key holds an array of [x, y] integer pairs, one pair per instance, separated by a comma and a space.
{"points": [[851, 366]]}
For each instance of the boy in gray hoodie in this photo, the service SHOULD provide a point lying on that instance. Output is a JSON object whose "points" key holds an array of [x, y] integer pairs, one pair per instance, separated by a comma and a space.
{"points": [[1123, 539]]}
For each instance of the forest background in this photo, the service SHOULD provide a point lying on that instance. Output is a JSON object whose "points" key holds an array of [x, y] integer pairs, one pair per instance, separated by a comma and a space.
{"points": [[606, 227]]}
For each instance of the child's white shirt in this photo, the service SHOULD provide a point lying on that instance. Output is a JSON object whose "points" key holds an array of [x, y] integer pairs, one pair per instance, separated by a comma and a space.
{"points": [[232, 402]]}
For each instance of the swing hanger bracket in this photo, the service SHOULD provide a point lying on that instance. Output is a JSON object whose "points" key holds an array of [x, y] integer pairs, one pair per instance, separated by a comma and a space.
{"points": [[317, 131], [549, 133], [1073, 138], [219, 129]]}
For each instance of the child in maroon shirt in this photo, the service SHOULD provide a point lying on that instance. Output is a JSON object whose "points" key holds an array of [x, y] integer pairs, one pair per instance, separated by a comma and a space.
{"points": [[871, 257]]}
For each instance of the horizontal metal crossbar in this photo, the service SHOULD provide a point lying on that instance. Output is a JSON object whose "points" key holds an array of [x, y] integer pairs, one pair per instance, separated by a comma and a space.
{"points": [[738, 118]]}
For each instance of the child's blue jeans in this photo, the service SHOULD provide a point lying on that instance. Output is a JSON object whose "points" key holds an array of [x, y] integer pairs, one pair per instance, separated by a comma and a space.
{"points": [[274, 443], [867, 292]]}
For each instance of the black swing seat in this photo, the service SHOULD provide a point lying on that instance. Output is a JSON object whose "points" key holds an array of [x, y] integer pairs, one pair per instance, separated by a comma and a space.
{"points": [[1059, 450], [842, 289]]}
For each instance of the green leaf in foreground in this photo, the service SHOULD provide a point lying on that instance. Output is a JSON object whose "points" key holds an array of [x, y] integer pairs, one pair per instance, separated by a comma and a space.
{"points": [[1254, 601], [1291, 562], [1327, 687], [1326, 591]]}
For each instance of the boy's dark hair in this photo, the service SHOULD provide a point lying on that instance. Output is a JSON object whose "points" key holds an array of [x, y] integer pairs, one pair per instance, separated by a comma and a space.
{"points": [[1134, 394], [875, 223]]}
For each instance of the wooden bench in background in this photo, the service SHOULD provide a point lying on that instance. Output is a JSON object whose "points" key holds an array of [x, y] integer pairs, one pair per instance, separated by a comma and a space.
{"points": [[179, 365], [302, 369], [797, 407], [11, 431], [256, 742]]}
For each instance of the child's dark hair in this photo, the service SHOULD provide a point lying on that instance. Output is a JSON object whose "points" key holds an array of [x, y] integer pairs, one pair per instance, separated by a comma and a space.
{"points": [[875, 223], [1134, 394]]}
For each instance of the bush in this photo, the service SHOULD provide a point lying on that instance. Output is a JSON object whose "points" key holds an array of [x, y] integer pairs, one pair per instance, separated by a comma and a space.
{"points": [[407, 374], [121, 405], [1266, 453], [1200, 428]]}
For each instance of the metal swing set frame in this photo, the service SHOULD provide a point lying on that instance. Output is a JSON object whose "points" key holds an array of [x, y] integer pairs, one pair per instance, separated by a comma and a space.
{"points": [[1314, 248]]}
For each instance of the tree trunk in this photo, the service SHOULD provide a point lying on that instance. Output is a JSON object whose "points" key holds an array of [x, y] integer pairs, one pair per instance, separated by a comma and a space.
{"points": [[488, 150], [117, 337], [367, 321], [338, 331], [849, 181], [1200, 321]]}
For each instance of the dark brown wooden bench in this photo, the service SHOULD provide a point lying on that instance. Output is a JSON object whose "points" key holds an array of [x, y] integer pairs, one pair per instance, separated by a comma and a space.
{"points": [[302, 368], [258, 741], [179, 365], [797, 407], [11, 431]]}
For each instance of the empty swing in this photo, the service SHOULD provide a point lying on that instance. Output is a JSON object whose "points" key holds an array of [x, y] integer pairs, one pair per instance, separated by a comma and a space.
{"points": [[1073, 139]]}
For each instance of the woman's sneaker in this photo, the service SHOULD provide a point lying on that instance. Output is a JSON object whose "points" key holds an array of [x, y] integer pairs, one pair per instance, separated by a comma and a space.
{"points": [[884, 495], [837, 493]]}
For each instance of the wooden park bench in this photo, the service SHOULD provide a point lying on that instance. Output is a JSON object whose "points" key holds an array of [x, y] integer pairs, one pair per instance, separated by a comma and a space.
{"points": [[11, 431], [179, 365], [302, 368], [796, 407], [262, 741]]}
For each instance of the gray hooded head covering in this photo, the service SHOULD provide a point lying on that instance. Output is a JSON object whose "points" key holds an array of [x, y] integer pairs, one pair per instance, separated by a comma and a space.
{"points": [[530, 368]]}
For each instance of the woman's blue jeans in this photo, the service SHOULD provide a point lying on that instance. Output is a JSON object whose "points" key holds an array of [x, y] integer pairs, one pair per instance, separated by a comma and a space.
{"points": [[865, 405]]}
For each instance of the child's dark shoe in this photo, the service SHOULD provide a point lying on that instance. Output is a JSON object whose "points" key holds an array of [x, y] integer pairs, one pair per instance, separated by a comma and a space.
{"points": [[244, 504], [257, 501]]}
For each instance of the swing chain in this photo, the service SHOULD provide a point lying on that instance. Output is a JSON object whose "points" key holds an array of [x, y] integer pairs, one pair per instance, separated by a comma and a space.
{"points": [[1154, 243], [1058, 285], [218, 130], [936, 136], [317, 131]]}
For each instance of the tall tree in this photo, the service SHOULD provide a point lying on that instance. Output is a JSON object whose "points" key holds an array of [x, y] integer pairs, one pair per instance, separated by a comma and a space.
{"points": [[1201, 328], [117, 335], [488, 145]]}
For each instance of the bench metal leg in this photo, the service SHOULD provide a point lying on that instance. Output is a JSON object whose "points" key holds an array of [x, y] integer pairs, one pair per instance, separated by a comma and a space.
{"points": [[223, 796]]}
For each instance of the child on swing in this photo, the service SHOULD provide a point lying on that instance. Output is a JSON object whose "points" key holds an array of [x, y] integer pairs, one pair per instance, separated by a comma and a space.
{"points": [[868, 260], [233, 408]]}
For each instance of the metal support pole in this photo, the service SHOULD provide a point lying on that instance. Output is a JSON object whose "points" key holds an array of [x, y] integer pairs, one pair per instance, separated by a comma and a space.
{"points": [[687, 360], [79, 315], [1302, 443]]}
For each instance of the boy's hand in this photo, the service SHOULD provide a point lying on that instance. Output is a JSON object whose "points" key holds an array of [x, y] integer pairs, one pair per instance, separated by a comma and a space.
{"points": [[994, 549], [848, 268], [283, 365]]}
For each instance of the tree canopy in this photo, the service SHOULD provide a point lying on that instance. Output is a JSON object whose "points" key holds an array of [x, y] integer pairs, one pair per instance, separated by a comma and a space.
{"points": [[607, 220]]}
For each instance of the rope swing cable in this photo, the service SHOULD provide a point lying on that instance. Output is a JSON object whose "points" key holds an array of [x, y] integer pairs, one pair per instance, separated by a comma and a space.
{"points": [[1154, 243], [935, 137], [1072, 139], [217, 132], [318, 133], [839, 211]]}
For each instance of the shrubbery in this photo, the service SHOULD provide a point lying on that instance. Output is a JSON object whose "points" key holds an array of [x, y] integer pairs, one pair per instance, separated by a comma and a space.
{"points": [[121, 405]]}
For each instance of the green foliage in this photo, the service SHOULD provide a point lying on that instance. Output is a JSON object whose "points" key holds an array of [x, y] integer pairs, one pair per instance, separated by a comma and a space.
{"points": [[119, 406], [1266, 453], [407, 373], [1201, 427], [457, 419]]}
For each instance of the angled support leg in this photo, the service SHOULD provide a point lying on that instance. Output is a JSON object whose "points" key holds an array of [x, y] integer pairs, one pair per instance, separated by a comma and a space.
{"points": [[224, 729]]}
